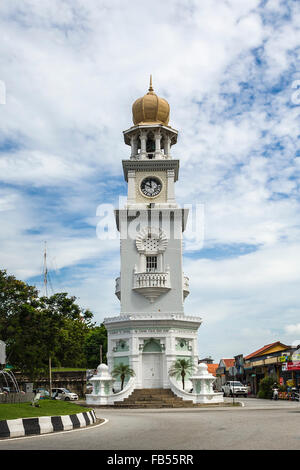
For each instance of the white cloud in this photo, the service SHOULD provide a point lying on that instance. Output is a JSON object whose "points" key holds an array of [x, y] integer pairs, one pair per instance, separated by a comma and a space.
{"points": [[293, 329]]}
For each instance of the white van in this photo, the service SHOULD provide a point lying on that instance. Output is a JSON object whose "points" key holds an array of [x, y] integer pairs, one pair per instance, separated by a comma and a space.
{"points": [[63, 394]]}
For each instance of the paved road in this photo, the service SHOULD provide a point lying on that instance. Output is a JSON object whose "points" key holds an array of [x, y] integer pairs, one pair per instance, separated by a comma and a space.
{"points": [[257, 425], [266, 404]]}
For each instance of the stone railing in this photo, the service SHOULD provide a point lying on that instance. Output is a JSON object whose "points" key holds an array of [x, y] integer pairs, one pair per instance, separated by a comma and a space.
{"points": [[151, 284], [154, 315], [208, 397], [180, 392], [100, 397], [21, 397], [152, 280], [125, 393]]}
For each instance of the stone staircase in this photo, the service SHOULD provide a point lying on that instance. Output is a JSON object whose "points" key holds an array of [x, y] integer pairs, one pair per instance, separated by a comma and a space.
{"points": [[154, 398]]}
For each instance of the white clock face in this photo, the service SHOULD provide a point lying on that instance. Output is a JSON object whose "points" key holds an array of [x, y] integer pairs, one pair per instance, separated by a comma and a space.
{"points": [[151, 186]]}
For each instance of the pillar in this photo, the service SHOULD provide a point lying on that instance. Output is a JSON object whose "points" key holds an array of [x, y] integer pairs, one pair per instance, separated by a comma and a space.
{"points": [[157, 143], [131, 187], [170, 186], [143, 137], [167, 146]]}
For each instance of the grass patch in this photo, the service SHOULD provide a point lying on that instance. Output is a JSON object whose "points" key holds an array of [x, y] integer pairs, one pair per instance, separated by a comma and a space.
{"points": [[46, 408]]}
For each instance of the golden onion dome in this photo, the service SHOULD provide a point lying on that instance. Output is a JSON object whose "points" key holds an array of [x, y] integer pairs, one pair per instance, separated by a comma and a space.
{"points": [[150, 109]]}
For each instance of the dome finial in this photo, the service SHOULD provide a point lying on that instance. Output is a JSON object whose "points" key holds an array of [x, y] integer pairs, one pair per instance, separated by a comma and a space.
{"points": [[150, 109], [150, 86]]}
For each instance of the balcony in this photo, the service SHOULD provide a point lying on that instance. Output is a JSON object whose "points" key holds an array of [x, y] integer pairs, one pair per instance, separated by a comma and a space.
{"points": [[151, 284], [186, 287]]}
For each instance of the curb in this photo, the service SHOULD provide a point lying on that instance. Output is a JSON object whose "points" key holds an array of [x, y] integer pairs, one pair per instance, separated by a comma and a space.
{"points": [[45, 424]]}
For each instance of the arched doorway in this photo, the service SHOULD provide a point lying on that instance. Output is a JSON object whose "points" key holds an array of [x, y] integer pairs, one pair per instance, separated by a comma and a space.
{"points": [[152, 364]]}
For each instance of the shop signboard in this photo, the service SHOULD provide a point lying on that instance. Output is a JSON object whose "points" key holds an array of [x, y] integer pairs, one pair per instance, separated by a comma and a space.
{"points": [[283, 358], [296, 357], [292, 366]]}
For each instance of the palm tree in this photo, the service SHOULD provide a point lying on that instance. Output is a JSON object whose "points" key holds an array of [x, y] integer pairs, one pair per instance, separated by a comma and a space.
{"points": [[122, 371], [181, 368]]}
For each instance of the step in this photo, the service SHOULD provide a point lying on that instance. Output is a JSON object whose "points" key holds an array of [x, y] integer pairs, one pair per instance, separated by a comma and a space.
{"points": [[166, 399], [157, 391], [152, 395], [154, 405], [154, 398], [160, 402]]}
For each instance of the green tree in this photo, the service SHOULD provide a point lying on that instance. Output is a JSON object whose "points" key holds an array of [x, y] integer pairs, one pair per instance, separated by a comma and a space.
{"points": [[62, 305], [26, 347], [181, 368], [35, 329], [14, 296], [95, 337], [265, 387], [69, 325], [122, 371]]}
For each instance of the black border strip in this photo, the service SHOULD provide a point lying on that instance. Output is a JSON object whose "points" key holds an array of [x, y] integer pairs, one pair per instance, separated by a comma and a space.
{"points": [[4, 429], [31, 426], [87, 418], [57, 423], [75, 421]]}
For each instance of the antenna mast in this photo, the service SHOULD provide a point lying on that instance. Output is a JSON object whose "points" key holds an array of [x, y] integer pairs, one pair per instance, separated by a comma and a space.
{"points": [[45, 271]]}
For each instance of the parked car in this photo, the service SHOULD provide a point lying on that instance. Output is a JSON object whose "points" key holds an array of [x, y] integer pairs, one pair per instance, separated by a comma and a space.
{"points": [[63, 394], [234, 388], [43, 393]]}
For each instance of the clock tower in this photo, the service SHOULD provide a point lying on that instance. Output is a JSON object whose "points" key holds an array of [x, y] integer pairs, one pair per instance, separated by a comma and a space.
{"points": [[152, 330]]}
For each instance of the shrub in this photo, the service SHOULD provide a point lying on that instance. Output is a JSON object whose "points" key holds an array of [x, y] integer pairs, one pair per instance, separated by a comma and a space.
{"points": [[265, 387]]}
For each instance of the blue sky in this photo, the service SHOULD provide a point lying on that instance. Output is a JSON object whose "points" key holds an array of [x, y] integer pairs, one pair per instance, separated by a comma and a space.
{"points": [[72, 70]]}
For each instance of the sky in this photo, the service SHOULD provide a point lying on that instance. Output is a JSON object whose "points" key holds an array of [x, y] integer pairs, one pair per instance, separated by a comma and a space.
{"points": [[70, 71]]}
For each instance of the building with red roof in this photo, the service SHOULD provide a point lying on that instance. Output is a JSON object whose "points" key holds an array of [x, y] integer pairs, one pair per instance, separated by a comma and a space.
{"points": [[222, 372], [266, 361], [212, 369]]}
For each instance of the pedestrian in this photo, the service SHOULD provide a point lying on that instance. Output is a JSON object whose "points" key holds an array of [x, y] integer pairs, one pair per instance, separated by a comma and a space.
{"points": [[275, 391]]}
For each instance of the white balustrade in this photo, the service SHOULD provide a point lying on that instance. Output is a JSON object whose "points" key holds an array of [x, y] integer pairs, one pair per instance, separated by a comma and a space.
{"points": [[151, 280]]}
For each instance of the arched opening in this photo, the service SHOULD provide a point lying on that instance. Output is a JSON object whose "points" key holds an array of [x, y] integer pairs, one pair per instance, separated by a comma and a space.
{"points": [[152, 364], [152, 346], [150, 145]]}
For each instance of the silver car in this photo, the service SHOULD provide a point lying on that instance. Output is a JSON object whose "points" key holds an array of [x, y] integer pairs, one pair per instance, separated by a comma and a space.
{"points": [[63, 394], [234, 388]]}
